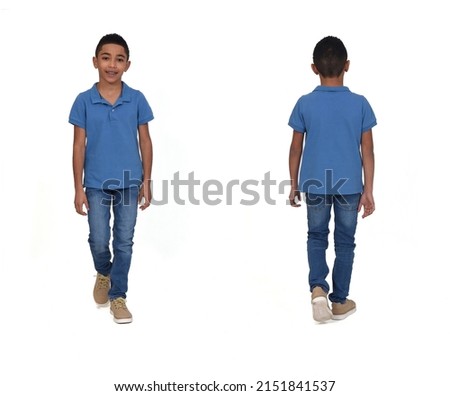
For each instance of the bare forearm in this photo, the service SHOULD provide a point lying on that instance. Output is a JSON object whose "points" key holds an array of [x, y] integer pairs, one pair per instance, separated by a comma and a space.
{"points": [[294, 166], [147, 158], [295, 155], [146, 148], [79, 150], [369, 171], [78, 166], [368, 161]]}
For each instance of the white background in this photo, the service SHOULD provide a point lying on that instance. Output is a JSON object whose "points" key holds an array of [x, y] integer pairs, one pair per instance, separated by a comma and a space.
{"points": [[220, 292]]}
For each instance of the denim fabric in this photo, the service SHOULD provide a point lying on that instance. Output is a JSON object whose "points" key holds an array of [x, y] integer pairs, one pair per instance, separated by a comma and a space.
{"points": [[345, 220], [124, 207]]}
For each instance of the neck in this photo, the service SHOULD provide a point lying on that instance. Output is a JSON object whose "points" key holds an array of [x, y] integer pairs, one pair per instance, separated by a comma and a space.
{"points": [[104, 86], [332, 81], [109, 92]]}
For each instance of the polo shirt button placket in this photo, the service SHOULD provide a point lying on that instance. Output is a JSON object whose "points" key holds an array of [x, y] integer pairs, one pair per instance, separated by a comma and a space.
{"points": [[112, 113]]}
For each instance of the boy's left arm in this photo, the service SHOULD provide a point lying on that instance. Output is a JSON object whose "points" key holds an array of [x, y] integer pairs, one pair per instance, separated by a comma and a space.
{"points": [[368, 160], [295, 156], [146, 147]]}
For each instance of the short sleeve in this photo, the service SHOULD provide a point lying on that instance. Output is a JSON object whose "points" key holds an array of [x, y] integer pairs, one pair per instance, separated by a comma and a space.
{"points": [[145, 113], [296, 120], [77, 114], [368, 116]]}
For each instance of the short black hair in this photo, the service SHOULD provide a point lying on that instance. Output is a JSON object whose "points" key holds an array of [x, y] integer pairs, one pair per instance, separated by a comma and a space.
{"points": [[112, 38], [330, 56]]}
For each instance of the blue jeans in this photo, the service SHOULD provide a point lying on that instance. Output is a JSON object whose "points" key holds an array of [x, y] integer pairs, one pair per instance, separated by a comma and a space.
{"points": [[345, 219], [124, 205]]}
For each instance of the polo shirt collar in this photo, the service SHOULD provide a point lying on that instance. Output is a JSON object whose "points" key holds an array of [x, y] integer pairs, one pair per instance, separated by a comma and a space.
{"points": [[125, 96], [324, 88]]}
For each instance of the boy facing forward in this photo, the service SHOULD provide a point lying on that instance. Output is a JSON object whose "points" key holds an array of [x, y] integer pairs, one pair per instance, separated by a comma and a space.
{"points": [[333, 139], [112, 162]]}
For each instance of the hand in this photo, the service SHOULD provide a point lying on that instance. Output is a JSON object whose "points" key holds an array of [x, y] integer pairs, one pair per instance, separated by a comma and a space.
{"points": [[295, 198], [369, 204], [145, 196], [80, 201]]}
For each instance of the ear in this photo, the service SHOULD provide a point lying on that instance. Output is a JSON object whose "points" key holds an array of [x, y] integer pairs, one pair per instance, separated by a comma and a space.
{"points": [[314, 69], [347, 65], [128, 65], [94, 61]]}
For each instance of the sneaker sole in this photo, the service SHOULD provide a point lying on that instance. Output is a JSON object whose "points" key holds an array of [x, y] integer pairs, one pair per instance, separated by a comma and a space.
{"points": [[321, 311], [121, 321], [102, 305], [344, 315]]}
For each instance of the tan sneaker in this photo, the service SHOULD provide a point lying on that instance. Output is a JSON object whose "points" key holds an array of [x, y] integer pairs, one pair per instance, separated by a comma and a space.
{"points": [[120, 311], [319, 302], [101, 289], [341, 311]]}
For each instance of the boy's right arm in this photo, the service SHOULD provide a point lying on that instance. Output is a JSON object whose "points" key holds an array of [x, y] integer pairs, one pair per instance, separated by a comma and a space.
{"points": [[295, 154], [79, 149], [368, 160]]}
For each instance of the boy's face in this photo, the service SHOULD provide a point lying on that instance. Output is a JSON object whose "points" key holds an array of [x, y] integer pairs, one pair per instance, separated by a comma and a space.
{"points": [[111, 63]]}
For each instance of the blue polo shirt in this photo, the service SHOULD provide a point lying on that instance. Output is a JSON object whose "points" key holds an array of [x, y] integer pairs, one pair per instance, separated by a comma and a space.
{"points": [[333, 120], [112, 159]]}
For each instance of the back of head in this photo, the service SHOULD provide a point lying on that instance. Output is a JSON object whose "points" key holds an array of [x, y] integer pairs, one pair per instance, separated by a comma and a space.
{"points": [[112, 38], [330, 56]]}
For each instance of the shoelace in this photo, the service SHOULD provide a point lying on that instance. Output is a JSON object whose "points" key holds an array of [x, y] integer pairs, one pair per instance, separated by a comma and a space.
{"points": [[103, 282], [119, 303]]}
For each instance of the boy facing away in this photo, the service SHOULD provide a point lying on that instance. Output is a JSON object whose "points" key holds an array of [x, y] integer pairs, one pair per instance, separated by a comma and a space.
{"points": [[112, 163], [333, 140]]}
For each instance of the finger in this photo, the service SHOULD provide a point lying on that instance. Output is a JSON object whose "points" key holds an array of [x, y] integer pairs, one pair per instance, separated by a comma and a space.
{"points": [[144, 203], [368, 212], [142, 200], [81, 211], [296, 200], [145, 206]]}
